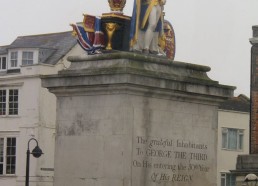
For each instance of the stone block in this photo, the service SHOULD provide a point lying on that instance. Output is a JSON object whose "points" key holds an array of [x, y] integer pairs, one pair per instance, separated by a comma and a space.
{"points": [[135, 120]]}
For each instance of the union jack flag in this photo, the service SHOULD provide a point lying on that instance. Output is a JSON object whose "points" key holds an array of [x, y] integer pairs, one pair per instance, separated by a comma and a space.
{"points": [[91, 42]]}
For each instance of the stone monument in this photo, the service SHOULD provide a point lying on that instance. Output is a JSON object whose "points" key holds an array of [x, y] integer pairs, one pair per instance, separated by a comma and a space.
{"points": [[131, 119], [248, 164], [127, 119]]}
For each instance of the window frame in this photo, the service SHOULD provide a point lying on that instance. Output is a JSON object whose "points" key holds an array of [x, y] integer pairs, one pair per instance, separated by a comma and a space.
{"points": [[227, 179], [15, 60], [19, 51], [5, 155], [1, 63], [27, 58], [239, 139], [9, 107]]}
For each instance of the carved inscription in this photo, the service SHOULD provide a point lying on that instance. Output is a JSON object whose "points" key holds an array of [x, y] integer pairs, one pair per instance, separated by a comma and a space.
{"points": [[170, 160]]}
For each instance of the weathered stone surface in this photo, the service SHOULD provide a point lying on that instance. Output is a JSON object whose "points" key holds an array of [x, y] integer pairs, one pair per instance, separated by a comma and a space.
{"points": [[134, 120], [255, 31], [247, 162], [254, 39]]}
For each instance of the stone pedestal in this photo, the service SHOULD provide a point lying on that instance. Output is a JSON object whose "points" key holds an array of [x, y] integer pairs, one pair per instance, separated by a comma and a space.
{"points": [[126, 119]]}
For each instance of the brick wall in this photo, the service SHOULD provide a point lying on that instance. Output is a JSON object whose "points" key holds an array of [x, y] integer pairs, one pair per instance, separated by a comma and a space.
{"points": [[254, 102]]}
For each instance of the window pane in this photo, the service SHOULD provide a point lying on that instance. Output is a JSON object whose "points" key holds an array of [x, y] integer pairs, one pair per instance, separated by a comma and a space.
{"points": [[11, 142], [1, 150], [2, 95], [1, 169], [11, 156], [15, 92], [8, 169], [232, 139], [223, 180], [13, 160], [4, 63], [27, 58], [15, 98], [13, 63], [224, 140], [8, 161], [8, 149], [13, 102], [12, 169], [2, 109], [2, 102], [15, 105], [24, 55], [14, 56], [233, 180], [11, 92], [13, 150], [227, 179], [230, 179], [10, 98], [15, 112], [240, 143]]}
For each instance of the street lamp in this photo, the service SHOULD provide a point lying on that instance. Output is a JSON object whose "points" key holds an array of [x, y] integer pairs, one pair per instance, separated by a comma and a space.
{"points": [[251, 179], [36, 152]]}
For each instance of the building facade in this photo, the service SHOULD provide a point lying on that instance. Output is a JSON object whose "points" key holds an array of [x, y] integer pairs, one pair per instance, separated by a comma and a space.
{"points": [[26, 109], [233, 137]]}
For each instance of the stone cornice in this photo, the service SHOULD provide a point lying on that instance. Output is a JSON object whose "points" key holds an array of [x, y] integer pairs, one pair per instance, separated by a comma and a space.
{"points": [[125, 72]]}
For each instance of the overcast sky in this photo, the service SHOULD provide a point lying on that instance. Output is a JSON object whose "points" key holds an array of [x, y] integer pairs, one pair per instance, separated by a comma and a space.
{"points": [[214, 33]]}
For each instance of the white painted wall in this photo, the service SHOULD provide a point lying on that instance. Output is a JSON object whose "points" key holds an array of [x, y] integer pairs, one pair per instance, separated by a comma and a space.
{"points": [[37, 117], [227, 158]]}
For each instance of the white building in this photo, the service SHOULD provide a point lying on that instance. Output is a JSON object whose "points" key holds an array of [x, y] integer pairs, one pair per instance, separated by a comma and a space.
{"points": [[26, 109], [233, 137]]}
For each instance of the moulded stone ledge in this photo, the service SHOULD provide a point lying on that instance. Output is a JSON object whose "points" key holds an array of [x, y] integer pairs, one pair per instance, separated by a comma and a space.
{"points": [[247, 162]]}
